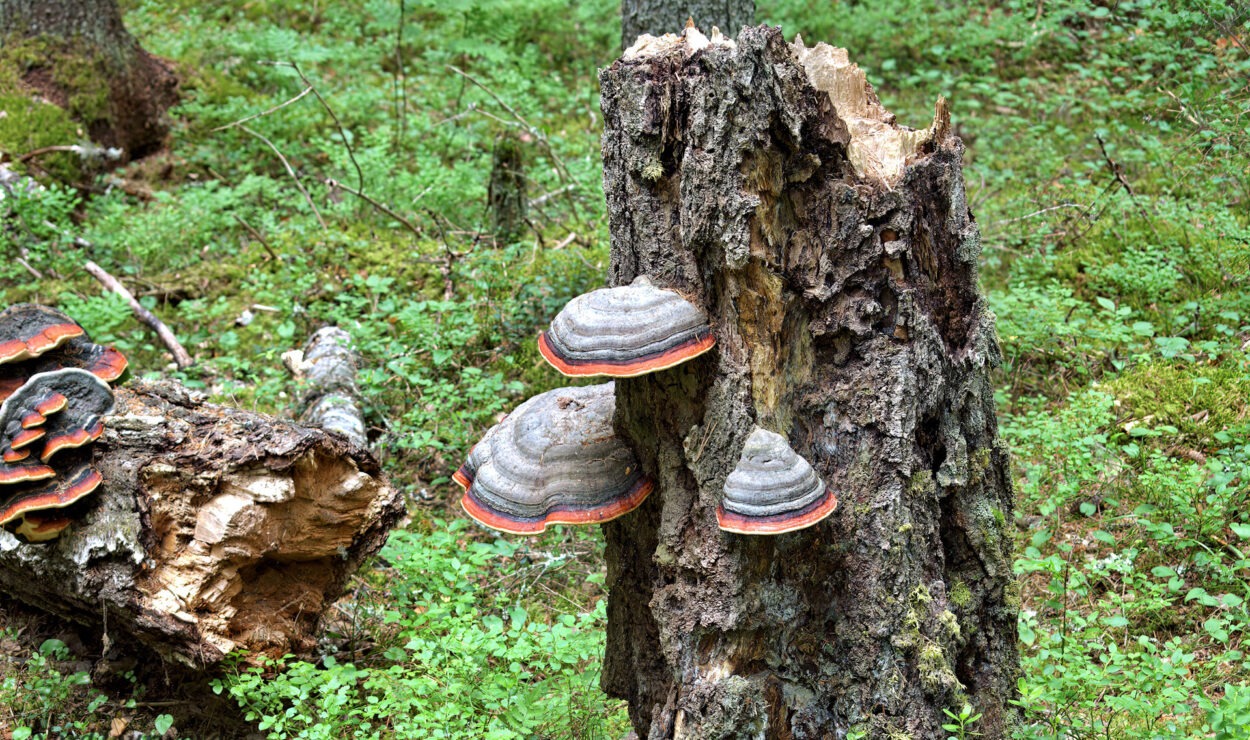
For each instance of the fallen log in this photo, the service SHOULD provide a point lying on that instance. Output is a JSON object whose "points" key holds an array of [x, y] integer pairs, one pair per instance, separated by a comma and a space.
{"points": [[215, 529]]}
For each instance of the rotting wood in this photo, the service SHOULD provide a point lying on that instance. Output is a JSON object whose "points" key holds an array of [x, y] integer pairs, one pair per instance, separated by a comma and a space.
{"points": [[215, 529], [835, 254], [328, 365]]}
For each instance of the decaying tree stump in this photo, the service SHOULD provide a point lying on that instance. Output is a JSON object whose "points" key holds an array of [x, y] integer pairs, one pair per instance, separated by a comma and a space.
{"points": [[836, 256], [215, 529]]}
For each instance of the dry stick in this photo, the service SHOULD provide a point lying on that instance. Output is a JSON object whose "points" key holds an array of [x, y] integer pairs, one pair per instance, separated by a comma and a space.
{"points": [[401, 82], [171, 343], [360, 175], [47, 150], [256, 235], [291, 171], [278, 107], [1118, 171], [382, 207]]}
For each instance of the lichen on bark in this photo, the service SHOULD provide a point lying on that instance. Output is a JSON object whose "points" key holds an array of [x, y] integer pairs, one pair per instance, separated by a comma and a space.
{"points": [[847, 319]]}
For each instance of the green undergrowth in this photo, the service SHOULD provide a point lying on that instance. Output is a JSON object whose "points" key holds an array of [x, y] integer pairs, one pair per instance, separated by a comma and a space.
{"points": [[469, 645], [1106, 151]]}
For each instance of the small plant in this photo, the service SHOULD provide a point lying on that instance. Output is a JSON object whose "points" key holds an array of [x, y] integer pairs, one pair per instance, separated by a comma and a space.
{"points": [[961, 723]]}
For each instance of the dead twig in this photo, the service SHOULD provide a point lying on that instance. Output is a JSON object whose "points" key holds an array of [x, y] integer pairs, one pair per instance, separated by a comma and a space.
{"points": [[291, 171], [1117, 170], [181, 358], [378, 205], [360, 175], [263, 113], [257, 236]]}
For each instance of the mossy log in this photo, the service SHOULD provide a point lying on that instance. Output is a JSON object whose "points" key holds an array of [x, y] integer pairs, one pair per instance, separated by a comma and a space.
{"points": [[835, 252], [215, 529]]}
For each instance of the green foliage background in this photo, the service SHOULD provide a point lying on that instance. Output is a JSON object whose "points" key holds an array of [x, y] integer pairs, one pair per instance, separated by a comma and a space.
{"points": [[1108, 151]]}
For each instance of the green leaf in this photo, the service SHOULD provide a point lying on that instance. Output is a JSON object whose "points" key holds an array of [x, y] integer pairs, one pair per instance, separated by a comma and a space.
{"points": [[162, 723]]}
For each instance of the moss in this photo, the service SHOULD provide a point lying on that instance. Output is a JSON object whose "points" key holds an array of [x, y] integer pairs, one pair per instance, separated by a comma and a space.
{"points": [[920, 595], [936, 675], [960, 595], [1199, 400], [652, 171], [29, 124], [904, 528], [79, 70], [950, 623]]}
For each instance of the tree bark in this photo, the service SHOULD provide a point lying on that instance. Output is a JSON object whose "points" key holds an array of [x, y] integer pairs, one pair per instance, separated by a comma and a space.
{"points": [[79, 55], [836, 256], [658, 17], [215, 529], [328, 365]]}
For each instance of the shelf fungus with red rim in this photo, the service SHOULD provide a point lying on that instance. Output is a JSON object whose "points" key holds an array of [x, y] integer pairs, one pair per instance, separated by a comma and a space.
{"points": [[32, 511], [773, 489], [54, 394], [625, 331], [555, 460], [27, 330]]}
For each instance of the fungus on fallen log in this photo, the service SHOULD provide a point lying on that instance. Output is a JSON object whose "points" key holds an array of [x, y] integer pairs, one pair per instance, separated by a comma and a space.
{"points": [[626, 331], [31, 511], [555, 460], [213, 529], [28, 330], [772, 490]]}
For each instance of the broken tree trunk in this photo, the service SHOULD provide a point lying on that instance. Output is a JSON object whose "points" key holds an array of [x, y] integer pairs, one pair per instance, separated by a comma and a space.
{"points": [[836, 256], [328, 365], [215, 529]]}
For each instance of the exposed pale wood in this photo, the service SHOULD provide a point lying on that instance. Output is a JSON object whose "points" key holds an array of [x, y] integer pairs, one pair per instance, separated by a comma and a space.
{"points": [[215, 529], [837, 259]]}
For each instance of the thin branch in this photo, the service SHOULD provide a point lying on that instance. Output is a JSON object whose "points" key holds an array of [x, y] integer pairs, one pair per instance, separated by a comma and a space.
{"points": [[170, 341], [1118, 172], [263, 113], [381, 207], [257, 236], [401, 81], [1036, 213], [360, 175], [46, 150], [291, 171]]}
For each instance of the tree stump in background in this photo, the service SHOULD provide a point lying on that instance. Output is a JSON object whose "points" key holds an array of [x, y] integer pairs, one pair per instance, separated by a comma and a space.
{"points": [[215, 529], [506, 192], [79, 55], [837, 258]]}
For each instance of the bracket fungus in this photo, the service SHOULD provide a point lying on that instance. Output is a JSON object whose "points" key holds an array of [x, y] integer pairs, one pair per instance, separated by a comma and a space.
{"points": [[625, 331], [772, 489], [53, 390], [555, 460], [27, 330]]}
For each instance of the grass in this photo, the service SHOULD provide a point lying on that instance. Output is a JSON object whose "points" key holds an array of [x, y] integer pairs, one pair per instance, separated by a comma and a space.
{"points": [[1106, 166]]}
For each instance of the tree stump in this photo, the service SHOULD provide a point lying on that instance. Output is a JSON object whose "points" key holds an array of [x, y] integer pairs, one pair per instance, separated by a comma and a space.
{"points": [[836, 255], [215, 529]]}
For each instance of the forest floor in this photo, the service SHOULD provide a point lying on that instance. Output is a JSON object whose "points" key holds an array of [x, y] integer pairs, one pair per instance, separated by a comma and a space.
{"points": [[1107, 167]]}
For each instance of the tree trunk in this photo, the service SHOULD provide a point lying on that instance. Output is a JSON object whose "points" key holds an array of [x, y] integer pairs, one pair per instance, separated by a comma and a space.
{"points": [[78, 54], [215, 529], [658, 17], [836, 256]]}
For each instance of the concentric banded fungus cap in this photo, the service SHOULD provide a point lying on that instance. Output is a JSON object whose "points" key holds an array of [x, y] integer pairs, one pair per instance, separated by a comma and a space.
{"points": [[625, 331], [20, 501], [478, 456], [556, 460], [772, 490], [73, 403], [102, 361], [28, 330]]}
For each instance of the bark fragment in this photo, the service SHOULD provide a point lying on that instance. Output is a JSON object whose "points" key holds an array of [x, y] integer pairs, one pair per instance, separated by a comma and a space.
{"points": [[847, 319]]}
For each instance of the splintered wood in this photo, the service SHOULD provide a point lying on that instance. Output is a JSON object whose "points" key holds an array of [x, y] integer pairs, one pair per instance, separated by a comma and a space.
{"points": [[217, 529]]}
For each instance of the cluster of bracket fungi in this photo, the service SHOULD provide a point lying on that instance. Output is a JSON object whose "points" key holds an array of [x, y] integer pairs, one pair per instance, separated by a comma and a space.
{"points": [[54, 394], [557, 459]]}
